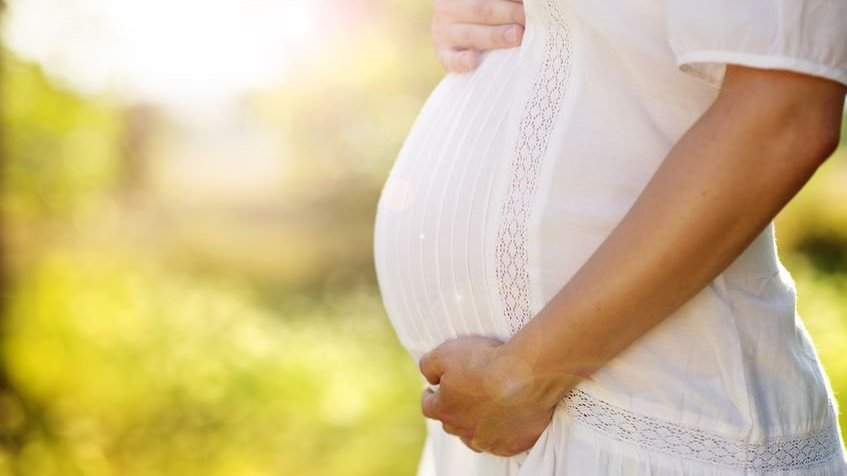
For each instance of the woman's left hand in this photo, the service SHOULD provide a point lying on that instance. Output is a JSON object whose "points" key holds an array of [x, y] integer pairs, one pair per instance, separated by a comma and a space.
{"points": [[491, 401]]}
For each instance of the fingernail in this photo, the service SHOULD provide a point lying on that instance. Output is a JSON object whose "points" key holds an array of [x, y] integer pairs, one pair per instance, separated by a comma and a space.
{"points": [[467, 60], [512, 34]]}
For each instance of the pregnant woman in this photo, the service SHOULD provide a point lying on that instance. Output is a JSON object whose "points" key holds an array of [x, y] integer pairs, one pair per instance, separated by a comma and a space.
{"points": [[576, 239]]}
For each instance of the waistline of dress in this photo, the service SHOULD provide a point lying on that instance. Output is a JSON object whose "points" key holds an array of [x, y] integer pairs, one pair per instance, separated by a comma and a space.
{"points": [[792, 452]]}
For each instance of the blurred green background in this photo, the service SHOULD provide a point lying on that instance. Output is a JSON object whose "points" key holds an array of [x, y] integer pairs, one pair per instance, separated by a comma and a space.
{"points": [[189, 283]]}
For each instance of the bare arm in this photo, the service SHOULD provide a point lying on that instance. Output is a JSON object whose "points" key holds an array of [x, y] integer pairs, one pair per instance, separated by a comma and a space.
{"points": [[729, 176], [721, 184]]}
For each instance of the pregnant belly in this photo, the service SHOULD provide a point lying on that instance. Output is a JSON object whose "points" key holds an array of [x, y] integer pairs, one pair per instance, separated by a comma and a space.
{"points": [[435, 222]]}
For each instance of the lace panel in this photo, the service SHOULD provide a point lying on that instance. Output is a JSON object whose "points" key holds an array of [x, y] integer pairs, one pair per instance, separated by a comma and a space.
{"points": [[542, 109], [785, 453], [534, 132]]}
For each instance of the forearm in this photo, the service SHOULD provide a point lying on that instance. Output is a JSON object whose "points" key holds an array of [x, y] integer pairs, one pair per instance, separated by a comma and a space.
{"points": [[719, 186]]}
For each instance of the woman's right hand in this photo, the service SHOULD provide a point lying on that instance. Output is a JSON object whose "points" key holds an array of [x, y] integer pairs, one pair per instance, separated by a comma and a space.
{"points": [[462, 29]]}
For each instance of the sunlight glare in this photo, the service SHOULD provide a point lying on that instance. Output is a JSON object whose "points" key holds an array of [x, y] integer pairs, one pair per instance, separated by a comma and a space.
{"points": [[163, 50]]}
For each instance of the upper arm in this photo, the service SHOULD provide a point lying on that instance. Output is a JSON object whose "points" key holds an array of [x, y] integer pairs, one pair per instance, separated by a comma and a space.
{"points": [[803, 110], [778, 64]]}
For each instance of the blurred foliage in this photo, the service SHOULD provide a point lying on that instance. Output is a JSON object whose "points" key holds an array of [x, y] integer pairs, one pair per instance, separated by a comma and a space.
{"points": [[812, 243], [141, 370], [62, 147], [153, 330], [338, 120], [813, 227]]}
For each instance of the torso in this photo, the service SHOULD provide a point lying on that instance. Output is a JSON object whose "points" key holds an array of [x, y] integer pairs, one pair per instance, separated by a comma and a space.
{"points": [[513, 175]]}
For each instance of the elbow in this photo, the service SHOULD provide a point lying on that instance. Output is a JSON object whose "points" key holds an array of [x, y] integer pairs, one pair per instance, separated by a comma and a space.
{"points": [[806, 134], [818, 137], [797, 113], [829, 139], [808, 126]]}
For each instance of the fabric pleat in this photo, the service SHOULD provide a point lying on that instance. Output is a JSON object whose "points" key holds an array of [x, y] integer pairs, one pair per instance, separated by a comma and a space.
{"points": [[514, 174]]}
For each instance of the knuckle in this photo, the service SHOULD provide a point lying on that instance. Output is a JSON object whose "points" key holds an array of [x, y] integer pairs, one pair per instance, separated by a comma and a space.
{"points": [[426, 362], [445, 416]]}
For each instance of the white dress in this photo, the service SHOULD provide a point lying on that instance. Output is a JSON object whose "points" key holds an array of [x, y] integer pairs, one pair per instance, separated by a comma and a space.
{"points": [[514, 174]]}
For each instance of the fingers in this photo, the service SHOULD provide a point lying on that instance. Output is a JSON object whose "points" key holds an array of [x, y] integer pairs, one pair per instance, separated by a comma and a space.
{"points": [[450, 429], [459, 45], [431, 367], [458, 61], [463, 28], [432, 407], [429, 404], [469, 443], [461, 36], [484, 12]]}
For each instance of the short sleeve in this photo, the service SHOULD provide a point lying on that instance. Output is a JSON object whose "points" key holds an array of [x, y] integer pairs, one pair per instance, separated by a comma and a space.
{"points": [[804, 36]]}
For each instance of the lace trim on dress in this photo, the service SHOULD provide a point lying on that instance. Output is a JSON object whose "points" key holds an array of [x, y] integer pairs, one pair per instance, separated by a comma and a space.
{"points": [[536, 126], [535, 129], [783, 453]]}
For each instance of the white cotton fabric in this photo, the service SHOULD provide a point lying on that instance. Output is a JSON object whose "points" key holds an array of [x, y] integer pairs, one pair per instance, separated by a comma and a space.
{"points": [[804, 36], [514, 174]]}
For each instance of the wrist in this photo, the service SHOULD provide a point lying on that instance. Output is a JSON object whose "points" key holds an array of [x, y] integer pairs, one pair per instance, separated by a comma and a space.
{"points": [[516, 375]]}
